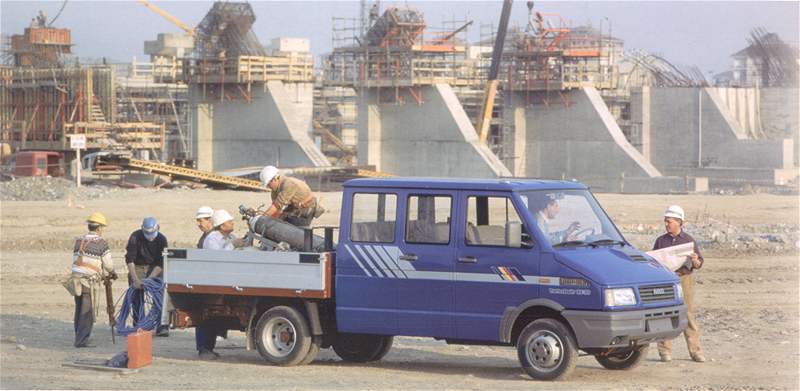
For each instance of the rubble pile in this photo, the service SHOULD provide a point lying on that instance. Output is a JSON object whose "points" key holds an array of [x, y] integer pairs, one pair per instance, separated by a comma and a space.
{"points": [[49, 189]]}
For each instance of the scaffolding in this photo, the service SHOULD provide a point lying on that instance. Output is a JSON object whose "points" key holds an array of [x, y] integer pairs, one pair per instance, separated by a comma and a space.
{"points": [[230, 60], [551, 57], [42, 107], [398, 52]]}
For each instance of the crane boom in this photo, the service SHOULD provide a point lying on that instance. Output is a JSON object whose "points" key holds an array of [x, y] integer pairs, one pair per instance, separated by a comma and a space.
{"points": [[166, 15], [485, 115]]}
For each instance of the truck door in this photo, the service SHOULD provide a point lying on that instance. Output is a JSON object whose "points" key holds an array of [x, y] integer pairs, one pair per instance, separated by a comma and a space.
{"points": [[425, 263], [366, 288], [495, 265]]}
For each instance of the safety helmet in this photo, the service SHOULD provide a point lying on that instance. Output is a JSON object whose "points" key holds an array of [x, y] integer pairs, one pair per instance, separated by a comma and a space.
{"points": [[674, 211], [221, 216], [267, 174], [97, 218], [204, 212], [150, 228]]}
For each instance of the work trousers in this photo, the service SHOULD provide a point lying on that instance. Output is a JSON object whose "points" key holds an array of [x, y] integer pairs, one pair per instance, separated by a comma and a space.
{"points": [[205, 337], [692, 332], [84, 318]]}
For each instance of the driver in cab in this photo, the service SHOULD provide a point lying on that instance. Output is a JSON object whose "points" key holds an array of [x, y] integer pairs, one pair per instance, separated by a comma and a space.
{"points": [[548, 210]]}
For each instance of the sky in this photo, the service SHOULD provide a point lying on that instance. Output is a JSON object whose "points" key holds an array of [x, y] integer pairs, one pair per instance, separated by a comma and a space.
{"points": [[702, 34]]}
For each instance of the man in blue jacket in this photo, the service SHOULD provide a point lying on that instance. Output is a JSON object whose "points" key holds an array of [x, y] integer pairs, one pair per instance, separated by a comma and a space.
{"points": [[144, 258]]}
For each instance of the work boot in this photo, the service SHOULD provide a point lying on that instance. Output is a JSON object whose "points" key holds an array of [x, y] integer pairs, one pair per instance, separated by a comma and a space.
{"points": [[162, 331], [698, 357], [206, 354], [665, 357]]}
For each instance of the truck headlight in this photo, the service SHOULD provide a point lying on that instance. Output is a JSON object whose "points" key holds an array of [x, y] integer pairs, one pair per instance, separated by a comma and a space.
{"points": [[620, 296], [679, 292]]}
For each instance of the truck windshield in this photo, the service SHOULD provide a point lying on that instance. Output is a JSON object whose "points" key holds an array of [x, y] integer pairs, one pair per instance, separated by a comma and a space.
{"points": [[570, 218]]}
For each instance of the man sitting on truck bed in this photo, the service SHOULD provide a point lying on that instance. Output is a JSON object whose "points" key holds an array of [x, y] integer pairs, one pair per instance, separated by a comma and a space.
{"points": [[292, 199], [222, 237]]}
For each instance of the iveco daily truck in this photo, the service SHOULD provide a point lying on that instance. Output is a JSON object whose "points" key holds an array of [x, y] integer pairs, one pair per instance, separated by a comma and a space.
{"points": [[530, 264]]}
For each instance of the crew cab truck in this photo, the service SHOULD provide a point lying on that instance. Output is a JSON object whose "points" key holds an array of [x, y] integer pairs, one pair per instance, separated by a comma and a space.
{"points": [[531, 264]]}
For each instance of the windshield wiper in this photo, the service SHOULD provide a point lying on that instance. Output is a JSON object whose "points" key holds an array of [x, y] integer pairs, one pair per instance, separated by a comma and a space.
{"points": [[572, 243], [601, 242]]}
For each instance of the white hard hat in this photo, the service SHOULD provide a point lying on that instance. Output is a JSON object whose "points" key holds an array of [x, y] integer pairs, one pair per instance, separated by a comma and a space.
{"points": [[674, 211], [221, 216], [204, 212], [267, 173]]}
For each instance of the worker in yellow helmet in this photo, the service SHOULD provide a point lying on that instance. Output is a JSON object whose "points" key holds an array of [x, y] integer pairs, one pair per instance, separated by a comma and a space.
{"points": [[91, 261]]}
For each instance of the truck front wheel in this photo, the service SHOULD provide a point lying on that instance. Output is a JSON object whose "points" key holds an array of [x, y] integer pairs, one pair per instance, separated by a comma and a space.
{"points": [[283, 336], [626, 359], [547, 350], [362, 347]]}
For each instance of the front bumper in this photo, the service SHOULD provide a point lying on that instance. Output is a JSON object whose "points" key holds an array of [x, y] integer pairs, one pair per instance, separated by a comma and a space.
{"points": [[608, 329]]}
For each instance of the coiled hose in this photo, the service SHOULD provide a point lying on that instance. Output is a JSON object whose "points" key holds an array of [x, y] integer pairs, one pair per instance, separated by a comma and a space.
{"points": [[152, 293]]}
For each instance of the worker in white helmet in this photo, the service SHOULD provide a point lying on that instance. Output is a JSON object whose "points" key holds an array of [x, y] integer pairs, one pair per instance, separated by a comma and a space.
{"points": [[292, 199], [203, 219], [222, 237], [673, 223], [217, 227]]}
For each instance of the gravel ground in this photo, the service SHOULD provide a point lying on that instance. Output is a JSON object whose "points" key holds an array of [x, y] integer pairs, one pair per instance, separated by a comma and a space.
{"points": [[748, 305]]}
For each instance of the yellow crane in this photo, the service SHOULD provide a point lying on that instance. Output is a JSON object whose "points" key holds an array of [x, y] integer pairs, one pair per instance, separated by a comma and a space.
{"points": [[485, 116], [166, 15]]}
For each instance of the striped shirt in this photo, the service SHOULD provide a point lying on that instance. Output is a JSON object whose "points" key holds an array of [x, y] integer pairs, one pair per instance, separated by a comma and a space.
{"points": [[95, 256]]}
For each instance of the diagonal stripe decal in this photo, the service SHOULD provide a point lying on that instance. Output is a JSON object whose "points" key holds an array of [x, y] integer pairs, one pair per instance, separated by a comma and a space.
{"points": [[389, 257], [380, 261], [378, 270], [358, 262]]}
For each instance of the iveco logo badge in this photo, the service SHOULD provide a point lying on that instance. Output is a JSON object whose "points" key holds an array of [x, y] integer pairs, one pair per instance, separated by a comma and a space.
{"points": [[659, 291]]}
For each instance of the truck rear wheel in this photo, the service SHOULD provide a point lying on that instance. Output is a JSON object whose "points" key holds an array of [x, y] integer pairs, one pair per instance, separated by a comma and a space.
{"points": [[627, 359], [362, 347], [547, 350], [283, 336]]}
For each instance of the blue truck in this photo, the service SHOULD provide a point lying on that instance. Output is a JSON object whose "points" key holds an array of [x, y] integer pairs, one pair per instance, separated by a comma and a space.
{"points": [[531, 264]]}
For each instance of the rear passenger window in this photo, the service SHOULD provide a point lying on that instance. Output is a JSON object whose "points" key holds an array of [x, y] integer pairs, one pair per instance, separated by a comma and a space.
{"points": [[428, 219], [493, 221], [374, 217]]}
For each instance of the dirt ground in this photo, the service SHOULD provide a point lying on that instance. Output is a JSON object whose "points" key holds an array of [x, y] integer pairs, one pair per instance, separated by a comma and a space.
{"points": [[748, 310]]}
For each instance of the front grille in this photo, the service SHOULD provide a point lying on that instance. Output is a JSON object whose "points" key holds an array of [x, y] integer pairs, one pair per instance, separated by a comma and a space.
{"points": [[656, 293]]}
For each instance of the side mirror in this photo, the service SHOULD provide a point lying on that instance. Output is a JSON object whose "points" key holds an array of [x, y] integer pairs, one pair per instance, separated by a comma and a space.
{"points": [[513, 234]]}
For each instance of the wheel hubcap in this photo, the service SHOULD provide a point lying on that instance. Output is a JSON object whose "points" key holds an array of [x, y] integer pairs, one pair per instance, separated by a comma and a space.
{"points": [[545, 350], [279, 337]]}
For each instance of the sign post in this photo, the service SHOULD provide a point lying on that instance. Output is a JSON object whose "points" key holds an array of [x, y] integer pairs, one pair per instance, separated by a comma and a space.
{"points": [[78, 142]]}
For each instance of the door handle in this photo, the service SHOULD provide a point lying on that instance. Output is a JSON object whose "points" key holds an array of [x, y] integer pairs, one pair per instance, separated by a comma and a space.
{"points": [[468, 259], [408, 257]]}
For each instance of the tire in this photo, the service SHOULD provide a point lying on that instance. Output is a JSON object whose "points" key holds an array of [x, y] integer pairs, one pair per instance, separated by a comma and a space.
{"points": [[547, 350], [283, 336], [362, 347], [623, 360], [312, 351]]}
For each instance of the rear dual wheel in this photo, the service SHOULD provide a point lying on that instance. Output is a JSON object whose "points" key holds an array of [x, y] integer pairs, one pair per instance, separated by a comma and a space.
{"points": [[283, 337]]}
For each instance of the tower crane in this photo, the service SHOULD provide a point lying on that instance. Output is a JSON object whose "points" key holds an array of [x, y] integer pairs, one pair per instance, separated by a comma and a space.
{"points": [[166, 15]]}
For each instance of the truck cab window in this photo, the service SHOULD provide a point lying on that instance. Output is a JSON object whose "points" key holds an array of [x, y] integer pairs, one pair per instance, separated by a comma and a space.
{"points": [[374, 217], [493, 221], [428, 219]]}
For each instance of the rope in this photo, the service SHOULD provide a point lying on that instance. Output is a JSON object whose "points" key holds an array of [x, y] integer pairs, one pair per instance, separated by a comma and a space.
{"points": [[152, 293]]}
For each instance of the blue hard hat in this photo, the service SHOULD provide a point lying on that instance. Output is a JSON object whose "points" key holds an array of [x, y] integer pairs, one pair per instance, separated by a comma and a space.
{"points": [[150, 227]]}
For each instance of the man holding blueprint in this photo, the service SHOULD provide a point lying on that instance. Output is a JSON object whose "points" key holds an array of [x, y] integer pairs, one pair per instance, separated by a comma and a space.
{"points": [[679, 252]]}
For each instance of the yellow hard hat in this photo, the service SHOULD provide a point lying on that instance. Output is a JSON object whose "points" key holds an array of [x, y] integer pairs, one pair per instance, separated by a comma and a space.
{"points": [[97, 218]]}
